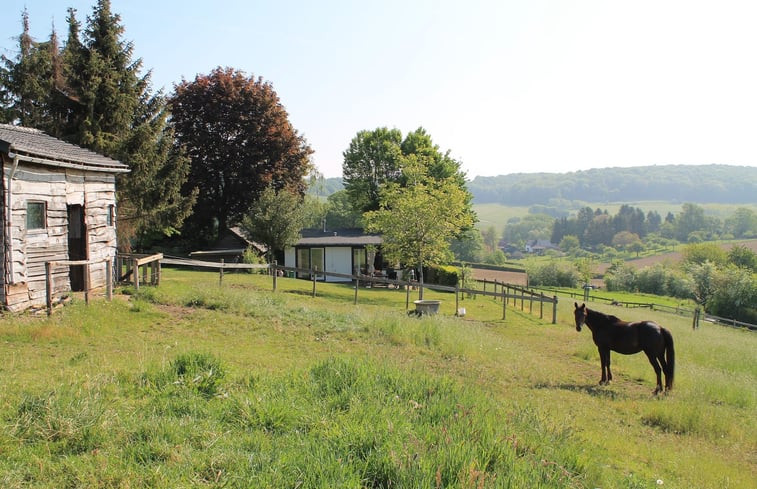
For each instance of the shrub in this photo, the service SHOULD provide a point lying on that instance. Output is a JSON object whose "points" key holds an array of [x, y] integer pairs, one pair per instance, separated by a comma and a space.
{"points": [[441, 275], [552, 274]]}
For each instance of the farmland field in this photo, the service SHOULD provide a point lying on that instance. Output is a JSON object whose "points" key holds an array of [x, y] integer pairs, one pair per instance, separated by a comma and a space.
{"points": [[195, 385]]}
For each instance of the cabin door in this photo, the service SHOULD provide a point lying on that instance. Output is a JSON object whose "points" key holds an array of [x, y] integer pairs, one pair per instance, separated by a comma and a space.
{"points": [[77, 245]]}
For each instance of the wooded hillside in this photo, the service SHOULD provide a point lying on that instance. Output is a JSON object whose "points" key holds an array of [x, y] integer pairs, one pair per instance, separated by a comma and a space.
{"points": [[673, 183]]}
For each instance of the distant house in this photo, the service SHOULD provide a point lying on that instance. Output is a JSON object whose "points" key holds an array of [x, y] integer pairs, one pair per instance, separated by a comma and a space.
{"points": [[58, 203], [344, 251], [230, 247], [539, 246]]}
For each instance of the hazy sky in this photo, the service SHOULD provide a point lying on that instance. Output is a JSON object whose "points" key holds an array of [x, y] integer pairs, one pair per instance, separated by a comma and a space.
{"points": [[506, 86]]}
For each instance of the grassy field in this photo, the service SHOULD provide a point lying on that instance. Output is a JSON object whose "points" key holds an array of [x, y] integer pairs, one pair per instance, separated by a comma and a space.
{"points": [[497, 215], [195, 385]]}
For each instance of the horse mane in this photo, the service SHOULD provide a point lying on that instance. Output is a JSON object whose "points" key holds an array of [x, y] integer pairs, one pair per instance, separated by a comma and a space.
{"points": [[606, 317]]}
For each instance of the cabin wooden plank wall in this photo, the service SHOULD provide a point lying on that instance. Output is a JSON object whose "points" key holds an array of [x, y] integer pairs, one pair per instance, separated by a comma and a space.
{"points": [[30, 249]]}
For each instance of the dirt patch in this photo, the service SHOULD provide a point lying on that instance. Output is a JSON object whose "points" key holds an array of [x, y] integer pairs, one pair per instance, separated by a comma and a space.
{"points": [[515, 278]]}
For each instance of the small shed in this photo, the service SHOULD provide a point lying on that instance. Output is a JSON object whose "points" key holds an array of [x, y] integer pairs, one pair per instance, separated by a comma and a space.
{"points": [[344, 251], [57, 203], [230, 247]]}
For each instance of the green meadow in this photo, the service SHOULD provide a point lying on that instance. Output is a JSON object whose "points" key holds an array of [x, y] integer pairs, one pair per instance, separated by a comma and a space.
{"points": [[194, 384]]}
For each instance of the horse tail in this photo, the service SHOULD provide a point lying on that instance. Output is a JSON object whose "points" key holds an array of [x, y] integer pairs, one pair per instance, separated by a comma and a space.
{"points": [[670, 358]]}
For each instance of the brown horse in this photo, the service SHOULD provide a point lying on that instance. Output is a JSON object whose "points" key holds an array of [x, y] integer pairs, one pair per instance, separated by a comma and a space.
{"points": [[610, 333]]}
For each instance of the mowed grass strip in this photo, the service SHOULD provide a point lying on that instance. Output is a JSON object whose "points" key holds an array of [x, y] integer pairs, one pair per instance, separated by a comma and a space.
{"points": [[192, 384]]}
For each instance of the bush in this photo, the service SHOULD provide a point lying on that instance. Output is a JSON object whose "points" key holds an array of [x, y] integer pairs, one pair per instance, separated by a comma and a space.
{"points": [[441, 275], [552, 274]]}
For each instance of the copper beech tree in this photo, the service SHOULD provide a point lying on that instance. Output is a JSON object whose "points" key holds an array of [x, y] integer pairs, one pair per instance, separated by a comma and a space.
{"points": [[239, 139]]}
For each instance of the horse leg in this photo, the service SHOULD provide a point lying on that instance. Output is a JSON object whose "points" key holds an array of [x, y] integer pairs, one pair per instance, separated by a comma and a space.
{"points": [[657, 370], [604, 359], [607, 362]]}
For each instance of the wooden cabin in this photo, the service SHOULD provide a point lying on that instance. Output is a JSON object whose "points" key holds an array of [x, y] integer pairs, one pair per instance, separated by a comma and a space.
{"points": [[58, 203]]}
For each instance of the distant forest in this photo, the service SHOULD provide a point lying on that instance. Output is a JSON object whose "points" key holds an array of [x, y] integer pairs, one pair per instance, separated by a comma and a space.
{"points": [[671, 183], [700, 184]]}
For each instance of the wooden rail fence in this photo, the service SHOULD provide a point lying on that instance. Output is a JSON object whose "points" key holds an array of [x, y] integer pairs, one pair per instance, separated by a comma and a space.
{"points": [[505, 294], [49, 265]]}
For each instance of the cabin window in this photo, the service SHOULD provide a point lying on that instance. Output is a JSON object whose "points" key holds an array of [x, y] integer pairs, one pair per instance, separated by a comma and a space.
{"points": [[36, 215], [111, 215]]}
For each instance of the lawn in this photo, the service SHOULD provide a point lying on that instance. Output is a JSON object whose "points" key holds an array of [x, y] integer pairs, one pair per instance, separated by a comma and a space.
{"points": [[196, 385]]}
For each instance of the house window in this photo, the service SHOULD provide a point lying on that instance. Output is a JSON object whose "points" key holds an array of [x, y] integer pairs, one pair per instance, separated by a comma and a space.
{"points": [[36, 215], [111, 218]]}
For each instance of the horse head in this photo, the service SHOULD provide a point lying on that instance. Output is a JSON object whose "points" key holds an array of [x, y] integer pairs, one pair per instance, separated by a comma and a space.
{"points": [[580, 315]]}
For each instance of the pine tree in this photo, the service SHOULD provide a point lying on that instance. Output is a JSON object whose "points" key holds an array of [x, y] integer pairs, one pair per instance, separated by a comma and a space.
{"points": [[91, 93]]}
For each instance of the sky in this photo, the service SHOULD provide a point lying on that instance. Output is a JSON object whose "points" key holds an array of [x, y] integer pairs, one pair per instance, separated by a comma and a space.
{"points": [[507, 86]]}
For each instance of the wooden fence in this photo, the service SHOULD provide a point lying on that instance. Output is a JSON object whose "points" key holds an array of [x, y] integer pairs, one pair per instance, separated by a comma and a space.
{"points": [[277, 271], [133, 262], [49, 265], [694, 313]]}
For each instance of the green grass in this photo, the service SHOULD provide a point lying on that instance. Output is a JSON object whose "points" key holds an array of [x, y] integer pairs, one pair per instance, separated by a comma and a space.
{"points": [[497, 215], [194, 385]]}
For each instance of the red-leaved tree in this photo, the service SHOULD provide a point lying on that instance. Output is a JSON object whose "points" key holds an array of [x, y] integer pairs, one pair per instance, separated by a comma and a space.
{"points": [[240, 141]]}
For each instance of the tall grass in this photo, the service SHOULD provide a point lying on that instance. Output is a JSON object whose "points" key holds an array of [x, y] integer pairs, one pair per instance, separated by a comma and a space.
{"points": [[191, 384]]}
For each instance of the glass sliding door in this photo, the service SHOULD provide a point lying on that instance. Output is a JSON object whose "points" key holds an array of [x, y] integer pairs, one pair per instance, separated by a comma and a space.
{"points": [[358, 261], [318, 261], [303, 261]]}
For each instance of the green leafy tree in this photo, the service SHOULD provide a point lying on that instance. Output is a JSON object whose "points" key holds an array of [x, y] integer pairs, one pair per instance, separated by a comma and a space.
{"points": [[377, 158], [340, 213], [530, 227], [468, 247], [624, 239], [742, 257], [569, 243], [275, 219], [691, 219], [735, 294], [418, 221], [743, 223], [702, 276], [702, 252], [239, 139], [372, 159], [490, 239]]}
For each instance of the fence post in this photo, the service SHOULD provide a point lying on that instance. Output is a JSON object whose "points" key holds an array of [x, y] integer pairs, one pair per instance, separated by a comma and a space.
{"points": [[457, 298], [504, 304], [109, 279], [695, 324], [313, 274], [86, 283], [554, 309], [135, 273], [357, 286], [522, 299], [159, 271], [220, 274], [144, 273], [541, 306], [49, 287], [274, 267], [407, 295]]}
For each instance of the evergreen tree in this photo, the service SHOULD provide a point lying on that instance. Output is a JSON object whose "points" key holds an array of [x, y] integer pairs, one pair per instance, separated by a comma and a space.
{"points": [[91, 93]]}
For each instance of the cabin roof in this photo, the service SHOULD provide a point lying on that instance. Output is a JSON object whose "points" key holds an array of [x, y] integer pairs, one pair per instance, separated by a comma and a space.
{"points": [[35, 146], [338, 237]]}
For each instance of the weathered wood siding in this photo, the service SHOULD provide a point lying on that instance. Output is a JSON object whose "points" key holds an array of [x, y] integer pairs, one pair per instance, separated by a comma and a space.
{"points": [[30, 249]]}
